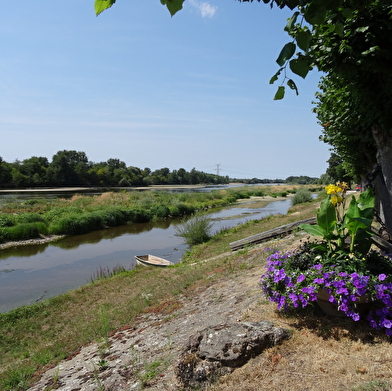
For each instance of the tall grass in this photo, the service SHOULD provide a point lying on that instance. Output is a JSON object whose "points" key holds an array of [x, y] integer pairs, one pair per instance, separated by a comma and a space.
{"points": [[301, 196], [195, 231]]}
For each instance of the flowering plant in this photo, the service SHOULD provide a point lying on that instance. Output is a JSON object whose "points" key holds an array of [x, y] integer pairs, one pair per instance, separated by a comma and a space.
{"points": [[294, 279], [336, 224], [347, 272]]}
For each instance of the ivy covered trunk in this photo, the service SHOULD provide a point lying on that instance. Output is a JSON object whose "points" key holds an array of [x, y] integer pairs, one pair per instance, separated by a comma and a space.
{"points": [[384, 181]]}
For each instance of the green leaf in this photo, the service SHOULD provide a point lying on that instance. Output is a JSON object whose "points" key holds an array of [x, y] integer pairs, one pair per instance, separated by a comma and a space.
{"points": [[291, 22], [304, 38], [316, 13], [347, 12], [339, 29], [102, 5], [280, 93], [173, 5], [276, 76], [300, 66], [366, 203], [326, 217], [286, 53], [292, 85], [312, 229]]}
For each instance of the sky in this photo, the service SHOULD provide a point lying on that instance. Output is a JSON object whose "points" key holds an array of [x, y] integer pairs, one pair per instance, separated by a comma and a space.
{"points": [[135, 84]]}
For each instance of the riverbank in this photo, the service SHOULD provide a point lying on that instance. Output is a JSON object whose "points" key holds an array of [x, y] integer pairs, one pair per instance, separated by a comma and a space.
{"points": [[323, 354], [125, 332], [40, 220]]}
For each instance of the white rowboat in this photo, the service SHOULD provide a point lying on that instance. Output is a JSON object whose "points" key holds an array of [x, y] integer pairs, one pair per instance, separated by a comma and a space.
{"points": [[152, 260]]}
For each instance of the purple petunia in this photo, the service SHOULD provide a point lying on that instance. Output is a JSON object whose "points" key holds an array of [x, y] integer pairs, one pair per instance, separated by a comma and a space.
{"points": [[291, 287]]}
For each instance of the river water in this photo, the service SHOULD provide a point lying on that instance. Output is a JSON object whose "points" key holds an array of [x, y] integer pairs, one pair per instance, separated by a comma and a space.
{"points": [[31, 273]]}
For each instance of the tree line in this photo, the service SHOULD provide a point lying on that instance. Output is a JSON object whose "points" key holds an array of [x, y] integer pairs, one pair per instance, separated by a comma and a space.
{"points": [[72, 168]]}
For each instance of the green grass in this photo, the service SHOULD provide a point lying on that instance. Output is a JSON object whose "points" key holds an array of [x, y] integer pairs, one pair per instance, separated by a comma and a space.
{"points": [[83, 214]]}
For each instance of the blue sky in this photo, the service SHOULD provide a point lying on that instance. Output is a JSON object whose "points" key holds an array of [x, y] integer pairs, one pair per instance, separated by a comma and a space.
{"points": [[153, 90]]}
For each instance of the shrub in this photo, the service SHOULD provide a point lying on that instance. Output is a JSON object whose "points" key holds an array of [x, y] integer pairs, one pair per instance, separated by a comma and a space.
{"points": [[6, 221], [301, 196], [197, 230], [160, 211]]}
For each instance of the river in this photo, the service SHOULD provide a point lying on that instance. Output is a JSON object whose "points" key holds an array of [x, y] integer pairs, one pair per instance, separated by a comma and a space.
{"points": [[31, 273]]}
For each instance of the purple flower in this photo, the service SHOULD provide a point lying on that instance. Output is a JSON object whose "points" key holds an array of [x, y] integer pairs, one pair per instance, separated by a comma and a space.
{"points": [[386, 323], [318, 281], [300, 278], [319, 266], [382, 277]]}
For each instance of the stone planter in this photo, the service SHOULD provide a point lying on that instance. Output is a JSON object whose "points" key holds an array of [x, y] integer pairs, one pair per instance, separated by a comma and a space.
{"points": [[361, 305]]}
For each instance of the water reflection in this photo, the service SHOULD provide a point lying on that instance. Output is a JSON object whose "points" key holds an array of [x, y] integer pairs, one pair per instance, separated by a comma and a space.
{"points": [[32, 272]]}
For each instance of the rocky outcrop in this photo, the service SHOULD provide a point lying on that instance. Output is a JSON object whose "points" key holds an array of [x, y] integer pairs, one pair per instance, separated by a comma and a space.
{"points": [[218, 350]]}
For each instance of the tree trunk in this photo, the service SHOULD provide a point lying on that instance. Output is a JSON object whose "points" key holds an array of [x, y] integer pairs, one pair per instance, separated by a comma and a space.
{"points": [[383, 185]]}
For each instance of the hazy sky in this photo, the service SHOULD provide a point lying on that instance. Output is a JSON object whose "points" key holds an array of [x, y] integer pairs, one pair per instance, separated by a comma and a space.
{"points": [[155, 91]]}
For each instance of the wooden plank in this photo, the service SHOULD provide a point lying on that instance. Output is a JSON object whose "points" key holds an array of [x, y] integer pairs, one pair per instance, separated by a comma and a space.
{"points": [[263, 236], [380, 242], [286, 229]]}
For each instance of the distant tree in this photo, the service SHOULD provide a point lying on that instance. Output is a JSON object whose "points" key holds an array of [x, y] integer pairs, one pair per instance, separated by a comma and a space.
{"points": [[336, 170], [5, 173], [66, 167]]}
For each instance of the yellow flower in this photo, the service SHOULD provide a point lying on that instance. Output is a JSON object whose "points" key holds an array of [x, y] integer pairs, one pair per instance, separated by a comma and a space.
{"points": [[330, 189], [334, 200]]}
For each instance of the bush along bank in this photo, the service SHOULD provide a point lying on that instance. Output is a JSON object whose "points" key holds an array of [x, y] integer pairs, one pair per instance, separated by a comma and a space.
{"points": [[36, 218]]}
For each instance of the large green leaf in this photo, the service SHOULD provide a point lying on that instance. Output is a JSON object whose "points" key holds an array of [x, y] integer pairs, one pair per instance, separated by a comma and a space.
{"points": [[286, 53], [173, 5], [366, 203], [315, 13], [326, 217], [102, 5], [356, 219], [312, 229], [300, 66], [304, 38]]}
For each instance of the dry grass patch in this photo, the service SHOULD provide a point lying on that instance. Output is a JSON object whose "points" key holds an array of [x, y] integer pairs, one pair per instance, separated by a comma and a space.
{"points": [[323, 354]]}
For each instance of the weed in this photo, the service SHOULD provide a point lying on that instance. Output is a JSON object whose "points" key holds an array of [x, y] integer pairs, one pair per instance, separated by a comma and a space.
{"points": [[150, 372], [103, 364], [100, 385]]}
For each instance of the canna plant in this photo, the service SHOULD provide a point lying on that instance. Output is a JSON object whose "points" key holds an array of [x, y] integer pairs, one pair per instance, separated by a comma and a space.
{"points": [[338, 225]]}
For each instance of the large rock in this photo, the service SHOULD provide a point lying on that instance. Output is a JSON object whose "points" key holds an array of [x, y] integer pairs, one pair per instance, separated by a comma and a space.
{"points": [[218, 350]]}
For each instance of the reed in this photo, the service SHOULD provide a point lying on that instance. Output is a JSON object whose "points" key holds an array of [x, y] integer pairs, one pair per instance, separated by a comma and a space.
{"points": [[195, 231]]}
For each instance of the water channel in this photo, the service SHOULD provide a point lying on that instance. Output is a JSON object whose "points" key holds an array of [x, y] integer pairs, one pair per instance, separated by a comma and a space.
{"points": [[31, 273]]}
